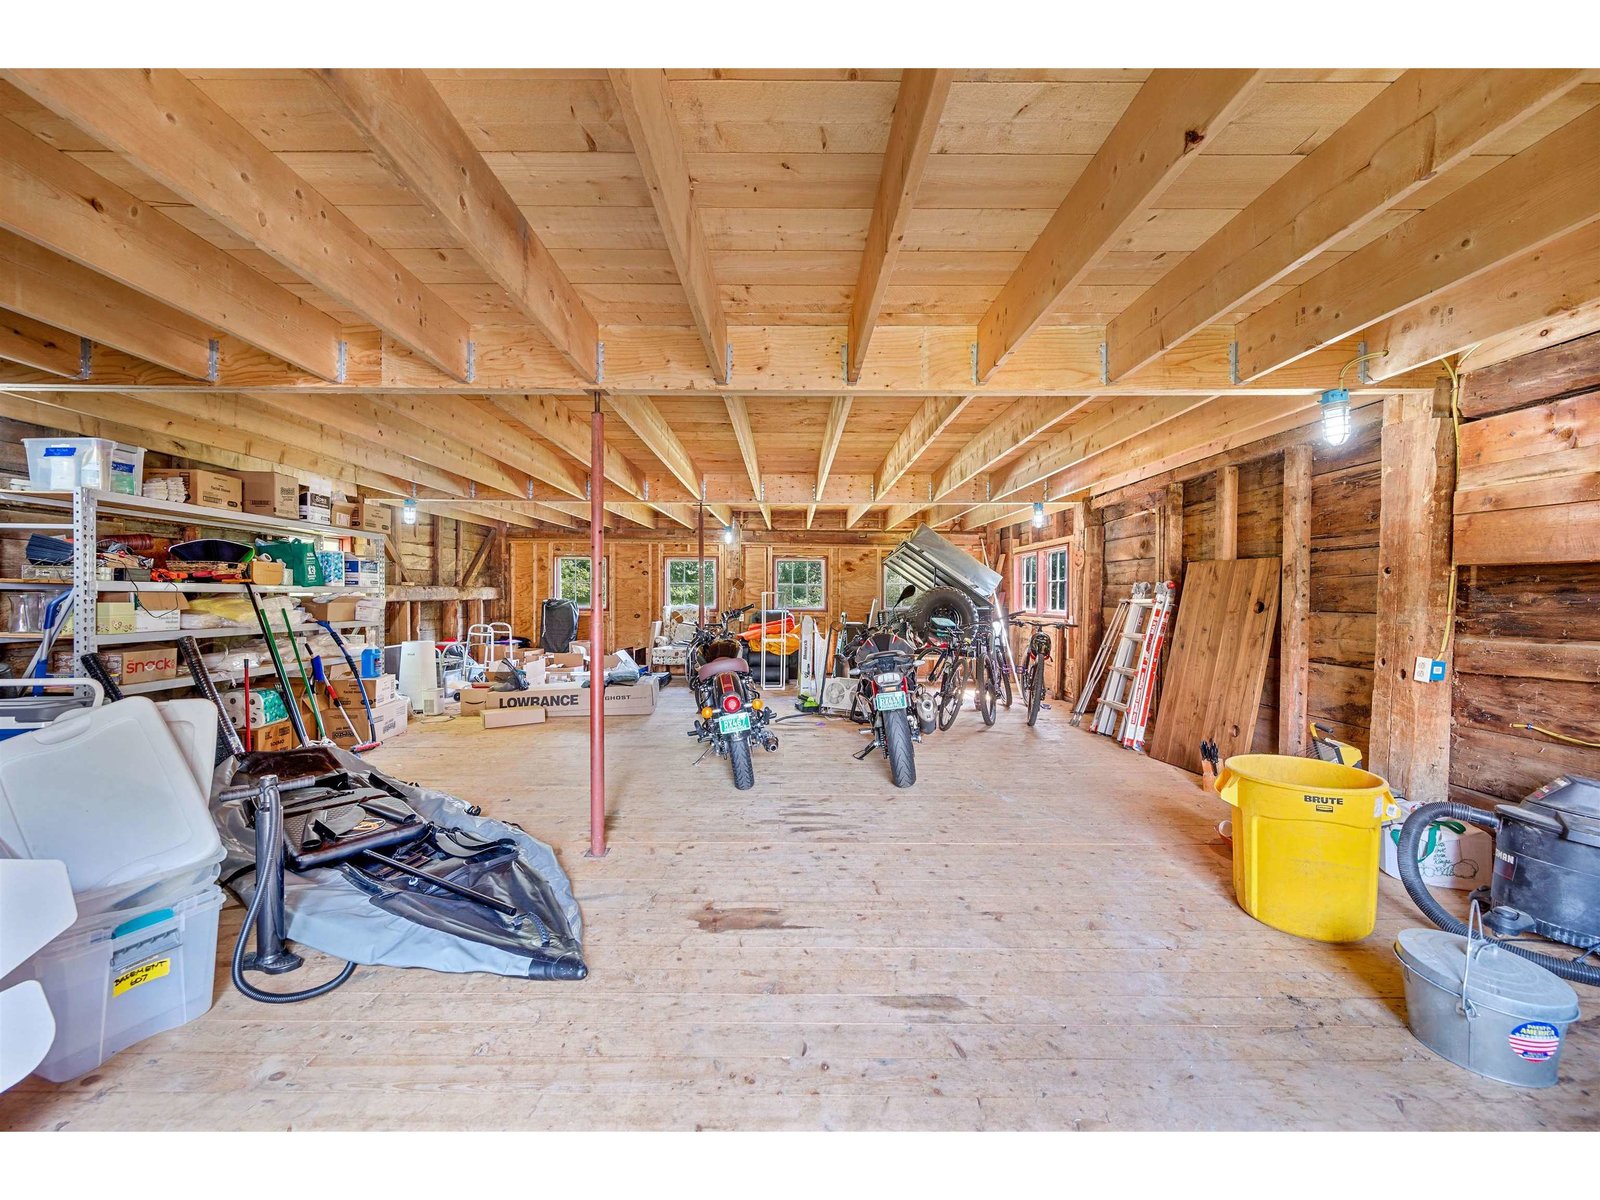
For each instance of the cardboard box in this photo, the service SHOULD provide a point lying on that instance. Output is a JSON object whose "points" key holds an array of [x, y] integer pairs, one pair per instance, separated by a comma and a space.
{"points": [[158, 612], [372, 516], [270, 493], [147, 664], [569, 700], [501, 718], [316, 507], [208, 489], [389, 720], [277, 736], [114, 616], [336, 608], [343, 514], [268, 574]]}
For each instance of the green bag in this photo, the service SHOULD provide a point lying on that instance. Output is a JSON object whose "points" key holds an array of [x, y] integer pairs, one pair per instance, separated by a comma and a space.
{"points": [[298, 558]]}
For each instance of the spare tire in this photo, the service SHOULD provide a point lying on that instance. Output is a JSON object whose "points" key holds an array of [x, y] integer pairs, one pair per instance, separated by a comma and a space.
{"points": [[950, 603]]}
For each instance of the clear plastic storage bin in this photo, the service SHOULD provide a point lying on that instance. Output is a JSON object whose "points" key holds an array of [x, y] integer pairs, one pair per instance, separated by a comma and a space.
{"points": [[121, 977], [61, 464]]}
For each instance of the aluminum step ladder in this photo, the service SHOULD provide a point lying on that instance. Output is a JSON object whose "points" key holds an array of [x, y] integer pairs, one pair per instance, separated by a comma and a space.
{"points": [[1137, 715], [1116, 693]]}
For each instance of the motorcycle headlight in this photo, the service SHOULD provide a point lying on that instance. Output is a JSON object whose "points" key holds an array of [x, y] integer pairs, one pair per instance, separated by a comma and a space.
{"points": [[890, 679]]}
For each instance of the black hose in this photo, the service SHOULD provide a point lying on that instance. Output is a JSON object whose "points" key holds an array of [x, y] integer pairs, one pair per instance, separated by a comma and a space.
{"points": [[1411, 876], [273, 815]]}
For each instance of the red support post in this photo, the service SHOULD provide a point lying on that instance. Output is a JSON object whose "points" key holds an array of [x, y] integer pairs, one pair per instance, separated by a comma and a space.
{"points": [[700, 561], [597, 644]]}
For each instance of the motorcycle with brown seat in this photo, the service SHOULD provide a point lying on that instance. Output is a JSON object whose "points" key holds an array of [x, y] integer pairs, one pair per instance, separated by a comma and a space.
{"points": [[730, 713]]}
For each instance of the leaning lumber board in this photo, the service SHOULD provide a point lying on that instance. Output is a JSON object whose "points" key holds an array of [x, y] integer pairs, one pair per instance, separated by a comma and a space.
{"points": [[1227, 613]]}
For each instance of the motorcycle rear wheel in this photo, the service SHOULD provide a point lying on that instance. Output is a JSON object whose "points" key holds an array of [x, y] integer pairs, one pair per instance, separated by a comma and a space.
{"points": [[744, 771], [902, 755]]}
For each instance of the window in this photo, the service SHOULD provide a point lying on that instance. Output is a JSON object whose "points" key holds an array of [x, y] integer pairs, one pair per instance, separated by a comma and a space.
{"points": [[572, 581], [683, 581], [801, 583], [1028, 583], [893, 584], [1056, 581]]}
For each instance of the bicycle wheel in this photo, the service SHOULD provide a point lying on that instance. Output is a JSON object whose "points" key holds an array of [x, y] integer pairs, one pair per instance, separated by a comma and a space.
{"points": [[985, 686], [1035, 690], [1003, 668], [950, 689]]}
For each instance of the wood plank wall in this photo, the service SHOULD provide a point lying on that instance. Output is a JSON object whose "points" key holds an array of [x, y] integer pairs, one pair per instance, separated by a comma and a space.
{"points": [[1527, 633]]}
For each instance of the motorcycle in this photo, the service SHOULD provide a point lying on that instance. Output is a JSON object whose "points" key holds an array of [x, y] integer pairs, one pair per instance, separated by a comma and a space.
{"points": [[732, 713], [886, 664]]}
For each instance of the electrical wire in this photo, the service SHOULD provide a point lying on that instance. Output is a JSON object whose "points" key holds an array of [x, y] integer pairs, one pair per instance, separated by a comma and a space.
{"points": [[1358, 359], [1551, 733], [1455, 437]]}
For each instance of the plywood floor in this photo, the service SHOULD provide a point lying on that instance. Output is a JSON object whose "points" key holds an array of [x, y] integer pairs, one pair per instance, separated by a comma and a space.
{"points": [[1040, 935]]}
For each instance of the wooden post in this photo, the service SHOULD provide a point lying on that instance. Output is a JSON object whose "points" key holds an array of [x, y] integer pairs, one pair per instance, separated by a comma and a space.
{"points": [[1089, 532], [1169, 534], [1228, 513], [1411, 718], [1294, 634]]}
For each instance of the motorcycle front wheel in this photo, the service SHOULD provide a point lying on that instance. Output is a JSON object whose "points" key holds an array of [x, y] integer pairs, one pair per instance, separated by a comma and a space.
{"points": [[897, 743]]}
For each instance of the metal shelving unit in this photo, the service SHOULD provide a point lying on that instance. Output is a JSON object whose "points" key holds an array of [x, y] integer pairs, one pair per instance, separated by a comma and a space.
{"points": [[87, 507]]}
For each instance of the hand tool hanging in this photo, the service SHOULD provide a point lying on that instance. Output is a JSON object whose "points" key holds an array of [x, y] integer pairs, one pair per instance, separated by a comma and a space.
{"points": [[289, 701], [307, 683], [349, 661]]}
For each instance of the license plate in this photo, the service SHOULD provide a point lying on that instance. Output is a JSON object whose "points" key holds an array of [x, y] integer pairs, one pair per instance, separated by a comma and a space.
{"points": [[735, 723], [884, 701]]}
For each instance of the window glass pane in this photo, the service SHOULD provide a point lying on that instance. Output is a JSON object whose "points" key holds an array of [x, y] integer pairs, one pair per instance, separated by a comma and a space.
{"points": [[1028, 601], [799, 583], [683, 584], [572, 580], [893, 584], [1057, 567]]}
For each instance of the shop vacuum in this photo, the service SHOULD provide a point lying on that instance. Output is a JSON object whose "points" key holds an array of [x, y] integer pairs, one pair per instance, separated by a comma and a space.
{"points": [[1546, 877]]}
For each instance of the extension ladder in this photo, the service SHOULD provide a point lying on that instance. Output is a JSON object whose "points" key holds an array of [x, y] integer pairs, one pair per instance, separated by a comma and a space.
{"points": [[1126, 643], [1137, 717]]}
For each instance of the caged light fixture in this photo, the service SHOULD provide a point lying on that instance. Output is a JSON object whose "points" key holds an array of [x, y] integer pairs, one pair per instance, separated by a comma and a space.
{"points": [[1038, 514], [1335, 404]]}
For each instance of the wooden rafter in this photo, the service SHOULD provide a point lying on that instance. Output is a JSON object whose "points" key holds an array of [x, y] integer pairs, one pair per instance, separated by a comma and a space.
{"points": [[657, 141], [739, 418], [409, 126], [1423, 123], [645, 419], [42, 284], [494, 435], [916, 118], [1530, 199], [832, 434], [1026, 420], [56, 202], [1157, 137], [41, 346], [175, 133], [546, 418], [931, 420]]}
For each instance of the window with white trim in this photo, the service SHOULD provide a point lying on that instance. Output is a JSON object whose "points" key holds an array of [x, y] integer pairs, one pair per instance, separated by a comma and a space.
{"points": [[572, 580], [1027, 598], [1040, 583], [1055, 600], [893, 584], [801, 583], [683, 581]]}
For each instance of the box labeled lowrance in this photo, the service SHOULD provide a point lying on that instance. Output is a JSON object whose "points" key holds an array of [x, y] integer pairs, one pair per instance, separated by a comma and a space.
{"points": [[569, 700]]}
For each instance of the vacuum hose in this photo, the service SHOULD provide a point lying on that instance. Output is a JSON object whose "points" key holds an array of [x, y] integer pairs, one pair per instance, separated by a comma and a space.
{"points": [[269, 818], [1411, 875]]}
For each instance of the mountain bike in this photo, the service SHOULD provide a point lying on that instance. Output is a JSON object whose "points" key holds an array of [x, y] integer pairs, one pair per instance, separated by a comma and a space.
{"points": [[1030, 672]]}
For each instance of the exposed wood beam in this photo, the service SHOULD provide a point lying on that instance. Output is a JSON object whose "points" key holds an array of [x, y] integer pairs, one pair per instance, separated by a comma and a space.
{"points": [[644, 418], [1227, 513], [1294, 620], [739, 418], [1554, 288], [42, 284], [502, 440], [931, 420], [1026, 420], [175, 133], [832, 435], [1535, 197], [410, 127], [526, 515], [916, 119], [24, 340], [56, 202], [1423, 123], [479, 559], [657, 141], [547, 418], [1158, 136]]}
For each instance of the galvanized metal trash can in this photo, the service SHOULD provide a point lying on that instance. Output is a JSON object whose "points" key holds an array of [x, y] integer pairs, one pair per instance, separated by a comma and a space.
{"points": [[1493, 1012]]}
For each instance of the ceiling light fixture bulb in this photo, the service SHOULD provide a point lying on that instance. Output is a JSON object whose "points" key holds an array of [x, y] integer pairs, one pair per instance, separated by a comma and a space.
{"points": [[1038, 514], [1335, 404], [408, 512], [727, 535]]}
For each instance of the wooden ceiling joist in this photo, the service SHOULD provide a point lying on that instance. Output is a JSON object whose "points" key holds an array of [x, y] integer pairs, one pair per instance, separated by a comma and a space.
{"points": [[739, 418], [645, 419], [931, 420], [1424, 123], [492, 516], [491, 436], [832, 435], [1530, 199], [175, 133], [54, 201], [546, 418], [42, 284], [43, 347], [1158, 136], [657, 139], [409, 126], [917, 108]]}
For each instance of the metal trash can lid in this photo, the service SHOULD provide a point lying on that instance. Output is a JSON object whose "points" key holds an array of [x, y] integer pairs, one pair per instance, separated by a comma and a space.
{"points": [[1500, 979]]}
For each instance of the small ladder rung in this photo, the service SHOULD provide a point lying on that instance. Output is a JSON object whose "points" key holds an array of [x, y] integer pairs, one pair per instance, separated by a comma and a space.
{"points": [[1122, 670], [1116, 704]]}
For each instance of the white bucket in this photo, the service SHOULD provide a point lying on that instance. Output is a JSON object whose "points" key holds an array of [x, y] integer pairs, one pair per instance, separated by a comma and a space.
{"points": [[1451, 854]]}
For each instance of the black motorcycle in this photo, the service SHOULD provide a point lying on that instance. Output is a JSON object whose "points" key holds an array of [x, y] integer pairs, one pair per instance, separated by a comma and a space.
{"points": [[886, 663], [732, 714]]}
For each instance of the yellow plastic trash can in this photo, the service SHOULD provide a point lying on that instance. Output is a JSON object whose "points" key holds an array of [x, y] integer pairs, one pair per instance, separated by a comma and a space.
{"points": [[1307, 838]]}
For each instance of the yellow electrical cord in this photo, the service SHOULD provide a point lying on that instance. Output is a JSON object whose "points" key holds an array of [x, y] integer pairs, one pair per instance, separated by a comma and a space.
{"points": [[1360, 358], [1455, 437], [1551, 733]]}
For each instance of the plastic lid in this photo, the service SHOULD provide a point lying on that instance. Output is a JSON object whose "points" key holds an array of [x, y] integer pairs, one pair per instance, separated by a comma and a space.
{"points": [[1572, 794], [1499, 978]]}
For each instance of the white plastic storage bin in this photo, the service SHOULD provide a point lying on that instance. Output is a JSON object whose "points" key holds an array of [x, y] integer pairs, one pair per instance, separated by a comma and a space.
{"points": [[119, 978], [60, 464]]}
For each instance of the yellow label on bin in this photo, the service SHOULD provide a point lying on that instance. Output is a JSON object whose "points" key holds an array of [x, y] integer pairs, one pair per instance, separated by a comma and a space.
{"points": [[143, 973]]}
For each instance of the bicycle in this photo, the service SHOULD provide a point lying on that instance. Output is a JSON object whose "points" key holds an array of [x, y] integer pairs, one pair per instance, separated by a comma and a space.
{"points": [[991, 676], [1030, 674], [950, 670]]}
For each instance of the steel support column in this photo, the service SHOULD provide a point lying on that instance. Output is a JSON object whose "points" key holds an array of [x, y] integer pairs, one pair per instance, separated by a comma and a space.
{"points": [[597, 640], [700, 551]]}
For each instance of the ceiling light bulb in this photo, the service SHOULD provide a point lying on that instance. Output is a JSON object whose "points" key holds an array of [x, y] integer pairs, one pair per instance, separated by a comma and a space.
{"points": [[1335, 416], [727, 534], [408, 512], [1038, 514]]}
